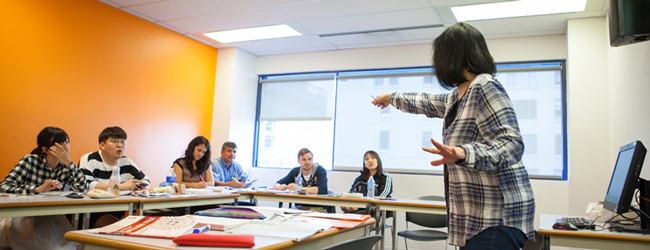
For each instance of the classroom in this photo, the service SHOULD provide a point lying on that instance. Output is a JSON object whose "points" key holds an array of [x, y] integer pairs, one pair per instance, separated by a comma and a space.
{"points": [[85, 65]]}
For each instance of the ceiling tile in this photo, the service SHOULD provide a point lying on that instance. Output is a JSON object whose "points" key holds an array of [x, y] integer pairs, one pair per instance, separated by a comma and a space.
{"points": [[338, 8], [378, 21], [175, 9], [427, 34], [282, 45], [230, 20], [281, 2]]}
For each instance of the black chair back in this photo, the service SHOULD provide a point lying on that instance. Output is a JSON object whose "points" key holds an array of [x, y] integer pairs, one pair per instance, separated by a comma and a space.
{"points": [[428, 220], [361, 243]]}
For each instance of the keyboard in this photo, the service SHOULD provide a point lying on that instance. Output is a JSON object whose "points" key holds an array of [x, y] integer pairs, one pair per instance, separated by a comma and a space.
{"points": [[579, 222]]}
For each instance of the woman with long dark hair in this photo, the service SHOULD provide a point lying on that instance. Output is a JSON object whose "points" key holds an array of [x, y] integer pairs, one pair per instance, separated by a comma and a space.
{"points": [[383, 181], [490, 202], [48, 167], [193, 169]]}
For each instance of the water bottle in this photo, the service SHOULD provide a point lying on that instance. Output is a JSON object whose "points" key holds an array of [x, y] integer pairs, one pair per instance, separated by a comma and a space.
{"points": [[299, 182], [371, 188], [171, 177], [114, 182]]}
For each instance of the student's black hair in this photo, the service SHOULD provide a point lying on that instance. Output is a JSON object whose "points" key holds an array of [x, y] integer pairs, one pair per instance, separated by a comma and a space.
{"points": [[48, 137], [461, 46], [365, 172], [112, 132], [201, 164], [228, 144]]}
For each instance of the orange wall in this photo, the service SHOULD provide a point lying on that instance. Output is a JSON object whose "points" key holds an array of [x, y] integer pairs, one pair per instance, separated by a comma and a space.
{"points": [[82, 65]]}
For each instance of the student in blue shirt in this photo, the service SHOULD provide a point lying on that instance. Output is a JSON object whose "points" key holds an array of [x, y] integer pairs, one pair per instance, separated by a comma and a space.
{"points": [[226, 171]]}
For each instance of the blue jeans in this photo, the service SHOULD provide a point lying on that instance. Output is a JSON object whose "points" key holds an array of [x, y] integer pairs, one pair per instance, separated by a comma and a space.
{"points": [[497, 238]]}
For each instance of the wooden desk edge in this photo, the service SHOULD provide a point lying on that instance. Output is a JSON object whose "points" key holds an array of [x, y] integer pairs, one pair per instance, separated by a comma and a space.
{"points": [[71, 202], [593, 235], [312, 196], [397, 203], [106, 242], [205, 197]]}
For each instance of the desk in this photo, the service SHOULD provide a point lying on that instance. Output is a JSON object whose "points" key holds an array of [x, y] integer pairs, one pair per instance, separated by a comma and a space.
{"points": [[103, 241], [404, 205], [589, 239], [34, 205], [202, 199]]}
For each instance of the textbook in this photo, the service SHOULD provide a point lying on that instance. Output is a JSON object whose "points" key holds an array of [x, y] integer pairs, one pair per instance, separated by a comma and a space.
{"points": [[165, 226]]}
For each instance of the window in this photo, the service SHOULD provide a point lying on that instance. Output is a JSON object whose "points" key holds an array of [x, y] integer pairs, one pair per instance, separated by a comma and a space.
{"points": [[525, 109], [331, 114]]}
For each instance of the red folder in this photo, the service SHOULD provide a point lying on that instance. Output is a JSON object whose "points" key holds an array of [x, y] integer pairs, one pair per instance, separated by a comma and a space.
{"points": [[215, 240]]}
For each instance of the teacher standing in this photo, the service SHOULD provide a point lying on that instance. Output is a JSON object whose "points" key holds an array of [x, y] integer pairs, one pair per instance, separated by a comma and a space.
{"points": [[490, 203]]}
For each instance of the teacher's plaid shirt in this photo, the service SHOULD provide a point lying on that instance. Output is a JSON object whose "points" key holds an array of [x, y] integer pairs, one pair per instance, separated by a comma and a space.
{"points": [[490, 187]]}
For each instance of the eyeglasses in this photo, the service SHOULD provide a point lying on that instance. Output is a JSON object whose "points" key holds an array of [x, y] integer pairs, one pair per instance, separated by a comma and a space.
{"points": [[118, 142]]}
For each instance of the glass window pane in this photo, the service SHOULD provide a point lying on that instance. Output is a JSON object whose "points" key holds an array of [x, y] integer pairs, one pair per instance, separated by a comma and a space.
{"points": [[282, 143], [297, 100]]}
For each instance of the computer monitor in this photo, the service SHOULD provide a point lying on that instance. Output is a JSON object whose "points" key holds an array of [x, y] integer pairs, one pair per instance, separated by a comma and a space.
{"points": [[625, 179]]}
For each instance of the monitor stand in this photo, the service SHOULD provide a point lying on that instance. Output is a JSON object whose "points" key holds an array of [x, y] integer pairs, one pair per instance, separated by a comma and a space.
{"points": [[644, 204]]}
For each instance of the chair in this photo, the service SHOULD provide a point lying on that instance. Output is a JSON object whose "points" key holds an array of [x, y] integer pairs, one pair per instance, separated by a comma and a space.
{"points": [[538, 244], [425, 220], [361, 243]]}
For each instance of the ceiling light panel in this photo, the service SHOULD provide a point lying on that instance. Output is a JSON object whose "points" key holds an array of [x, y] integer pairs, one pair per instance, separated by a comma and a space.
{"points": [[251, 34], [516, 9]]}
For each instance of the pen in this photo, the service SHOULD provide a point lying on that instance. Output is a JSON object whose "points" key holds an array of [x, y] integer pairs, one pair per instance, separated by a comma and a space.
{"points": [[373, 97], [202, 178], [201, 229], [235, 179]]}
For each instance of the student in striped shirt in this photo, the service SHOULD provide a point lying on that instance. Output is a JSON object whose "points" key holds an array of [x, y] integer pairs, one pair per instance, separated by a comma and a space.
{"points": [[98, 166]]}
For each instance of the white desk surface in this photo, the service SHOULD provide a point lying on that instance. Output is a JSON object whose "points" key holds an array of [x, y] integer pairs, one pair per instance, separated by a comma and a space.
{"points": [[104, 241], [35, 205]]}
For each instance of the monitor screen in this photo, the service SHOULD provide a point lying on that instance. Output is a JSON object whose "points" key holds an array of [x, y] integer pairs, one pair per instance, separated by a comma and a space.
{"points": [[625, 178]]}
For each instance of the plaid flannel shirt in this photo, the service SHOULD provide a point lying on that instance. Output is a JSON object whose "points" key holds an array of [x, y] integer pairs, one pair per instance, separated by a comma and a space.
{"points": [[32, 171], [490, 187]]}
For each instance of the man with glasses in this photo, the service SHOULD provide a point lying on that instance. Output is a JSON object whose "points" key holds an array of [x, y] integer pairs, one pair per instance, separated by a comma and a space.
{"points": [[98, 167]]}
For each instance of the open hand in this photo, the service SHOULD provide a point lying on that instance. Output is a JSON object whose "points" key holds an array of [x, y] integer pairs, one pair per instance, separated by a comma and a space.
{"points": [[449, 154], [61, 154]]}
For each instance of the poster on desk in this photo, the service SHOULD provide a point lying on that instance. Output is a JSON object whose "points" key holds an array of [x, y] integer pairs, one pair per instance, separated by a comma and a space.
{"points": [[152, 226]]}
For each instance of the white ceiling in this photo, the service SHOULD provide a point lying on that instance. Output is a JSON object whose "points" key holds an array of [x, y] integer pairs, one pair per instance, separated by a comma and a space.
{"points": [[335, 24]]}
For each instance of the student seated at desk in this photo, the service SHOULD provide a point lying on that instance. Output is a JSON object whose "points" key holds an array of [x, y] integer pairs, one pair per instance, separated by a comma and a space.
{"points": [[47, 168], [194, 169], [226, 171], [98, 167], [314, 181], [383, 182]]}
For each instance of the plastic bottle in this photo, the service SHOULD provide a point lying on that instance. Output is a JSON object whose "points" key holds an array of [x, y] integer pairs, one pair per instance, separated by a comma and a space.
{"points": [[299, 182], [171, 177], [114, 182], [371, 188]]}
